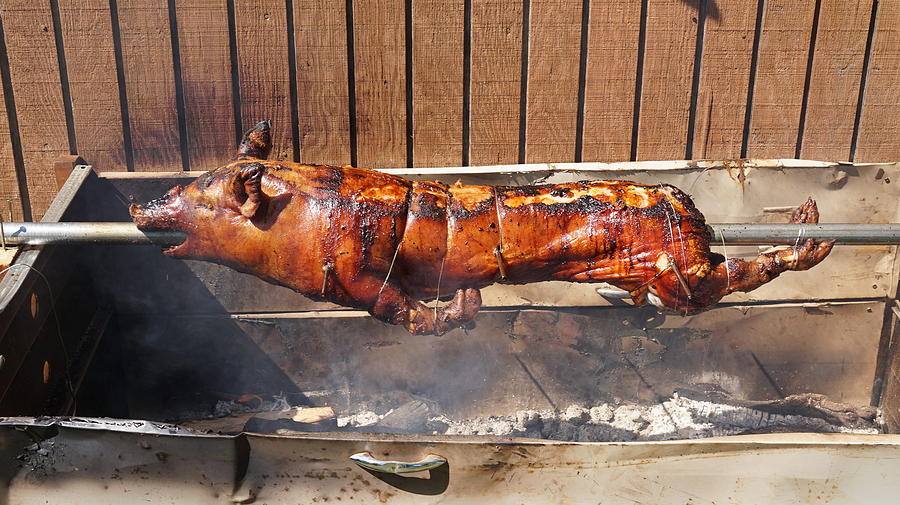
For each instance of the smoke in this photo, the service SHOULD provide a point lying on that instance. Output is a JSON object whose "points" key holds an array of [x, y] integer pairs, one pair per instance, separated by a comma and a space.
{"points": [[172, 350]]}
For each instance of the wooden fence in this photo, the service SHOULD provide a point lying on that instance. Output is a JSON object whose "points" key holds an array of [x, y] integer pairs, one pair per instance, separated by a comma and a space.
{"points": [[153, 85]]}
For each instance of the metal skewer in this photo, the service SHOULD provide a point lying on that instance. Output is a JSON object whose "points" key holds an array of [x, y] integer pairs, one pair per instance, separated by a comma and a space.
{"points": [[86, 233], [790, 234], [729, 233]]}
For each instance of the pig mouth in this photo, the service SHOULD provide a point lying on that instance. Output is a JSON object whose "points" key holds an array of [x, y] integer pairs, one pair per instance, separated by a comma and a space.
{"points": [[176, 250], [155, 218]]}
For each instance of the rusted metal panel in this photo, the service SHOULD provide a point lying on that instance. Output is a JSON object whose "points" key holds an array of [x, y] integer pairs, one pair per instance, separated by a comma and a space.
{"points": [[153, 465], [32, 295], [890, 376]]}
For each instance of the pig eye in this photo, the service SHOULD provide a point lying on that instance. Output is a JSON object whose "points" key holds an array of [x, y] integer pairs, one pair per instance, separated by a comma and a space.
{"points": [[207, 206]]}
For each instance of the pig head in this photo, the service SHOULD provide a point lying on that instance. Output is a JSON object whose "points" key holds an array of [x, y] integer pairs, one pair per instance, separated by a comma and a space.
{"points": [[330, 233], [223, 211]]}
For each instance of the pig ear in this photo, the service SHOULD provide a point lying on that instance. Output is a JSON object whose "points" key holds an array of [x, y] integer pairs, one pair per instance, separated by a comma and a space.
{"points": [[257, 142], [246, 189]]}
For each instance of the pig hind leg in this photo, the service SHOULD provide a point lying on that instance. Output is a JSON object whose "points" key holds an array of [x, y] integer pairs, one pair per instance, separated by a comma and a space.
{"points": [[740, 275], [396, 307], [382, 297]]}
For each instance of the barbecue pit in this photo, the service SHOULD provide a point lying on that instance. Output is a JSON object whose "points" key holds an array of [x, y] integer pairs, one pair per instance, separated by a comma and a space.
{"points": [[183, 354]]}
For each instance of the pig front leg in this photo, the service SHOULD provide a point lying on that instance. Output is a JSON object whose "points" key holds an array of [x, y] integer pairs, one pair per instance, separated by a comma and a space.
{"points": [[395, 307], [739, 275]]}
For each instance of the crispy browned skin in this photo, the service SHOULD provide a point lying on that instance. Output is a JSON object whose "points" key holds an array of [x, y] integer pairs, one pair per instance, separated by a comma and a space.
{"points": [[369, 240]]}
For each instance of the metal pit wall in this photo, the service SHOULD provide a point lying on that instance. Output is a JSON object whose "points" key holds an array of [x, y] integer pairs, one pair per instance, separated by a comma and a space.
{"points": [[126, 333]]}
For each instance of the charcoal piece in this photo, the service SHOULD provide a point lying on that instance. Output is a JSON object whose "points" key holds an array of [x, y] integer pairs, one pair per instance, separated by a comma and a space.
{"points": [[410, 417]]}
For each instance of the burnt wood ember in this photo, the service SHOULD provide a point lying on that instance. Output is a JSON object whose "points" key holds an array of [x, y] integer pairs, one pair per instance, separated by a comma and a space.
{"points": [[680, 417], [378, 242]]}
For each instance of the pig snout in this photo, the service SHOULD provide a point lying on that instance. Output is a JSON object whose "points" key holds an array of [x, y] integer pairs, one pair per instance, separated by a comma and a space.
{"points": [[161, 213]]}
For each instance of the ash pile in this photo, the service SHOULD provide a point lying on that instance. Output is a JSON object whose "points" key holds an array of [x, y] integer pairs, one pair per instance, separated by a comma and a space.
{"points": [[685, 415]]}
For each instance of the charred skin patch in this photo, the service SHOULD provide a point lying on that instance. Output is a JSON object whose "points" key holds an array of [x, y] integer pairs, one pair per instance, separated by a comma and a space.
{"points": [[609, 231], [328, 178], [561, 192]]}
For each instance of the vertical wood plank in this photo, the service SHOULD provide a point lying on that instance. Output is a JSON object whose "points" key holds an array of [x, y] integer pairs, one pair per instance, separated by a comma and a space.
{"points": [[437, 82], [93, 86], [34, 70], [496, 81], [609, 86], [206, 80], [9, 184], [553, 62], [879, 128], [668, 73], [780, 77], [320, 32], [150, 84], [724, 77], [836, 72], [262, 45], [380, 82]]}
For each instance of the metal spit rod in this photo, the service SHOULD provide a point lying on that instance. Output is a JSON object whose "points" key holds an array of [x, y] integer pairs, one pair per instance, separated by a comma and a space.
{"points": [[727, 233]]}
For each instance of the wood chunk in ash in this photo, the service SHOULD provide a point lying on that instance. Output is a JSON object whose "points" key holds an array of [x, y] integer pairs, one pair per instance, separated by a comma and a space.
{"points": [[313, 414], [820, 407], [311, 419]]}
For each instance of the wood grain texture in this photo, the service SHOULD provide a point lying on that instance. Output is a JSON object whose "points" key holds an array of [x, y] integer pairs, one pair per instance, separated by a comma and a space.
{"points": [[437, 82], [320, 31], [496, 81], [31, 48], [836, 73], [724, 79], [668, 73], [553, 61], [206, 80], [150, 84], [780, 76], [380, 63], [262, 45], [9, 183], [609, 84], [93, 86], [879, 128]]}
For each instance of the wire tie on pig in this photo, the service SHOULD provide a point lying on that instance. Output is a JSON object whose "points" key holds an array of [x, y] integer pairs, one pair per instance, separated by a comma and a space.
{"points": [[390, 269], [727, 268], [437, 296], [671, 265], [326, 268], [796, 256], [500, 263], [681, 244], [498, 252], [681, 279], [659, 274]]}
